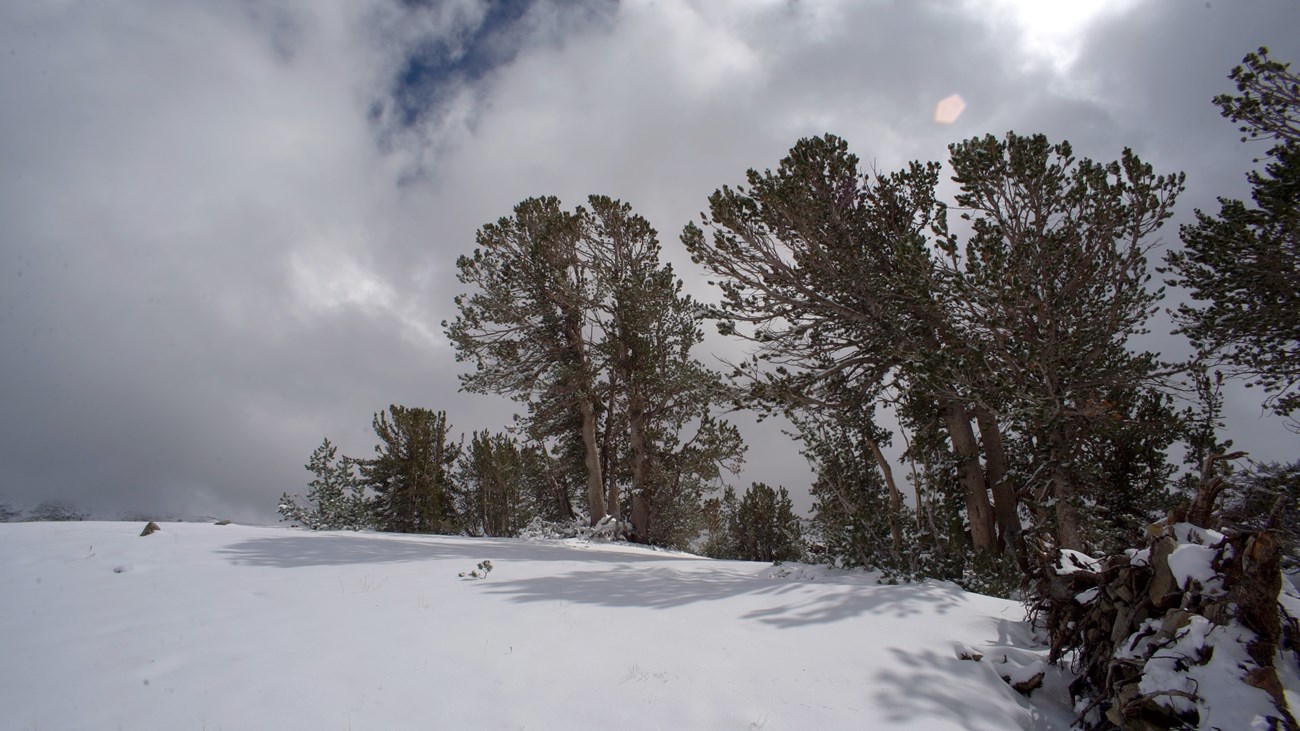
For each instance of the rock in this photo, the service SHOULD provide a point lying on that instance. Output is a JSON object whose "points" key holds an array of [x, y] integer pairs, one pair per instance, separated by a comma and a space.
{"points": [[1029, 685], [1174, 621], [1163, 589], [1266, 680], [222, 522], [151, 528], [1119, 590], [1123, 626]]}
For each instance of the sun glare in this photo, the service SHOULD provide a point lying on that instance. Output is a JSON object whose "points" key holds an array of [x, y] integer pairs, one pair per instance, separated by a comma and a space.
{"points": [[1052, 28]]}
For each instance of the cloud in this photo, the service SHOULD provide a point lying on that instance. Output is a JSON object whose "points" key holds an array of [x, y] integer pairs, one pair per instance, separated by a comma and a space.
{"points": [[229, 231]]}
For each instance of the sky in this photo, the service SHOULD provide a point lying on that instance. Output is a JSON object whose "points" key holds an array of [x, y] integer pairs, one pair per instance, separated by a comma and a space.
{"points": [[228, 230]]}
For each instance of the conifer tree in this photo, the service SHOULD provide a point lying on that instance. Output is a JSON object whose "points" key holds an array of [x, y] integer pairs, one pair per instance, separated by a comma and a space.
{"points": [[1052, 283], [576, 316], [828, 272], [848, 494], [527, 326], [764, 526], [336, 498], [490, 480], [410, 473], [1242, 266], [659, 398]]}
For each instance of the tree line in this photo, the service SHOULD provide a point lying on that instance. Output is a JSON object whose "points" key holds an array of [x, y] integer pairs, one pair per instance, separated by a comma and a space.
{"points": [[998, 331]]}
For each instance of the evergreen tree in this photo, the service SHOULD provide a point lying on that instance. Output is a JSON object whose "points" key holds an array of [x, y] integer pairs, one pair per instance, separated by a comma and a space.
{"points": [[856, 294], [527, 327], [717, 516], [828, 271], [489, 484], [848, 496], [1242, 266], [410, 473], [335, 499], [1123, 467], [8, 513], [598, 344], [761, 526], [1052, 283]]}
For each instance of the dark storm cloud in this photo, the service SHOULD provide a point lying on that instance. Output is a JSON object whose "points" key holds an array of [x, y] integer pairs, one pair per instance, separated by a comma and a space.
{"points": [[228, 232]]}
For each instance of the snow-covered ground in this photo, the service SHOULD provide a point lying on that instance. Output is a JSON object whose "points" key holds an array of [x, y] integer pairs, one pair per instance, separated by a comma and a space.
{"points": [[232, 627]]}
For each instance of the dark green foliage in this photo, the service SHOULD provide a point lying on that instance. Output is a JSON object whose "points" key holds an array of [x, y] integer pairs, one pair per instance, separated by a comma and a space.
{"points": [[849, 503], [662, 438], [1269, 105], [411, 471], [1054, 278], [761, 526], [576, 316], [824, 269], [489, 486], [8, 513], [1242, 265], [336, 498], [528, 327], [1054, 281], [1124, 470]]}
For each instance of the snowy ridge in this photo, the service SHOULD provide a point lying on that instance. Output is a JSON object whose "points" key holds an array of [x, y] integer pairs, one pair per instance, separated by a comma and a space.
{"points": [[236, 627]]}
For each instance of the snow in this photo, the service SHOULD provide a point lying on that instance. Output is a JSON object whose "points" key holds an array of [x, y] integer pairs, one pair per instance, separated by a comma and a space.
{"points": [[1192, 562], [1190, 533], [1087, 596], [1176, 671], [1138, 556], [236, 627], [1070, 561]]}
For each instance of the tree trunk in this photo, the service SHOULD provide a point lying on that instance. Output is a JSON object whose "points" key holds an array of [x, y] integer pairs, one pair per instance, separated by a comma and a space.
{"points": [[895, 497], [595, 485], [1006, 505], [636, 418], [563, 503], [978, 509], [1068, 533]]}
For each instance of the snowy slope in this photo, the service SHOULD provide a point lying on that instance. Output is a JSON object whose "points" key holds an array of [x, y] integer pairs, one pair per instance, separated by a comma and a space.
{"points": [[232, 627]]}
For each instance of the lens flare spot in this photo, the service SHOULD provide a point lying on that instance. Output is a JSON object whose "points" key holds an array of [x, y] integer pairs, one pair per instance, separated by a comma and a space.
{"points": [[949, 109]]}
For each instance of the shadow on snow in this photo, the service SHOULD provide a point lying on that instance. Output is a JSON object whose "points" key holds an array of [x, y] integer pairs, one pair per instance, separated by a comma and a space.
{"points": [[930, 684], [792, 603], [298, 550]]}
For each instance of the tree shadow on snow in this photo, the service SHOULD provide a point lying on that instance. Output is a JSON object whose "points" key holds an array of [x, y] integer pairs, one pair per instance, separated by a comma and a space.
{"points": [[793, 603], [298, 550], [929, 684]]}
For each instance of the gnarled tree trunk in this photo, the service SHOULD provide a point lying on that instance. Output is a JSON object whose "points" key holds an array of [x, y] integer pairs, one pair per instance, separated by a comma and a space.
{"points": [[1006, 504], [978, 509]]}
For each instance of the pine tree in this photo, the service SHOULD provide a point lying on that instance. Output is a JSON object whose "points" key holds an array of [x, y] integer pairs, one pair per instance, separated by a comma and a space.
{"points": [[1242, 266], [489, 484], [828, 271], [527, 327], [1052, 284], [576, 316], [659, 399], [335, 499], [764, 526], [410, 473], [847, 497]]}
